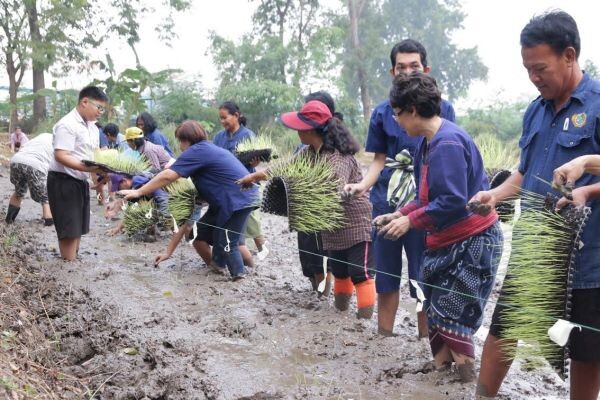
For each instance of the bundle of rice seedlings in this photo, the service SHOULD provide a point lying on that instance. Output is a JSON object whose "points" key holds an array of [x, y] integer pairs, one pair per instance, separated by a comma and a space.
{"points": [[499, 159], [304, 189], [129, 163], [139, 216], [182, 198], [496, 154], [538, 283], [260, 147]]}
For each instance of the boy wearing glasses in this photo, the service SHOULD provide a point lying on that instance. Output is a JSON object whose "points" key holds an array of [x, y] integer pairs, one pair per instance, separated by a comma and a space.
{"points": [[75, 138]]}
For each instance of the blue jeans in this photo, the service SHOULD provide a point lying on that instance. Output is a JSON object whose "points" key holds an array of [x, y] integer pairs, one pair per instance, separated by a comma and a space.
{"points": [[226, 240]]}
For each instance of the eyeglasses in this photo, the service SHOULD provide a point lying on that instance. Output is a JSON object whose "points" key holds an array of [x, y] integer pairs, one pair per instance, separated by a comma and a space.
{"points": [[397, 113], [100, 108]]}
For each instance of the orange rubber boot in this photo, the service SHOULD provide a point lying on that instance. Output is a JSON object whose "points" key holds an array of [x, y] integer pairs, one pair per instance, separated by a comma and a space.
{"points": [[342, 290], [365, 298]]}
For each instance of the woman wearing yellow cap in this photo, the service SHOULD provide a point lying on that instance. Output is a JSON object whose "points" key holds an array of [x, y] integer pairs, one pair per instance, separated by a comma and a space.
{"points": [[157, 156]]}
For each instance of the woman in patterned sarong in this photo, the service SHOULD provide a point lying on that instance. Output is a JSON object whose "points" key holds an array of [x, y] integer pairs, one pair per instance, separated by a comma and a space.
{"points": [[463, 248]]}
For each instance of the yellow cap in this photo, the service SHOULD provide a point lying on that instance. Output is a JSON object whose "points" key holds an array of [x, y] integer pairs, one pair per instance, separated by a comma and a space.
{"points": [[133, 133]]}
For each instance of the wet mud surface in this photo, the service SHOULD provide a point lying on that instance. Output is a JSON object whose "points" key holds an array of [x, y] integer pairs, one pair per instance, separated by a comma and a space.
{"points": [[129, 330]]}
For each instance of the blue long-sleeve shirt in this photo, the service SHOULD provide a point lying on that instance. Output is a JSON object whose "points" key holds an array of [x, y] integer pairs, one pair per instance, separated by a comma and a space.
{"points": [[157, 137]]}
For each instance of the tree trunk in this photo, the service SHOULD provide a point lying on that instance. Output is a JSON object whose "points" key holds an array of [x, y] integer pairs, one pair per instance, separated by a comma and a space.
{"points": [[355, 11], [37, 67], [13, 87]]}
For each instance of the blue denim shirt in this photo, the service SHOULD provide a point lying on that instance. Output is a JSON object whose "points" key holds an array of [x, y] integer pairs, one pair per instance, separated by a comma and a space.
{"points": [[551, 139], [229, 142], [157, 137], [386, 136]]}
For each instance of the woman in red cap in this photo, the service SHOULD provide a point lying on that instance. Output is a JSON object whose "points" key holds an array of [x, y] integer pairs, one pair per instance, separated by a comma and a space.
{"points": [[349, 248]]}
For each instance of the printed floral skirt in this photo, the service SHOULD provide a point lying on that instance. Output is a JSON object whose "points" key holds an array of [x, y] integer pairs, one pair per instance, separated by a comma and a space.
{"points": [[457, 281]]}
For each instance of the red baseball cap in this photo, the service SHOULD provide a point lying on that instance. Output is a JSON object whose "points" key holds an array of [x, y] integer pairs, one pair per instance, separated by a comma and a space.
{"points": [[312, 115]]}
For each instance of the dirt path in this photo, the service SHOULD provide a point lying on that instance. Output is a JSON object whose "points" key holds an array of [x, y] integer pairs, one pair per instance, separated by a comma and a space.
{"points": [[176, 332]]}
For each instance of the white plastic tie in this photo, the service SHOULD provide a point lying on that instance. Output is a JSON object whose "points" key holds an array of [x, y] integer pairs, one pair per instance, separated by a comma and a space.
{"points": [[227, 247], [149, 214], [175, 227], [195, 232], [322, 284], [560, 331], [420, 295]]}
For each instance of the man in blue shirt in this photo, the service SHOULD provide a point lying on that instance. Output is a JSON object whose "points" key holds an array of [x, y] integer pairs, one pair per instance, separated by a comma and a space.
{"points": [[560, 125], [387, 139]]}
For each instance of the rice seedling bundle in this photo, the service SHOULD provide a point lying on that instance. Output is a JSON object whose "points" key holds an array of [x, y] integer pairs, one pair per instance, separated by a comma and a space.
{"points": [[128, 163], [538, 283], [139, 216], [505, 209], [182, 198], [260, 147], [304, 189]]}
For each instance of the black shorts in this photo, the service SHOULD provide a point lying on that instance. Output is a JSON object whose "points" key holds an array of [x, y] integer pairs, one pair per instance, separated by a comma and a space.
{"points": [[356, 262], [583, 345], [310, 250], [69, 200], [206, 227]]}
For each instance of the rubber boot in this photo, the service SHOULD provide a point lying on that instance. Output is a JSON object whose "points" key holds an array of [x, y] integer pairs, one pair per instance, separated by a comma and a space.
{"points": [[365, 298], [342, 290], [11, 214]]}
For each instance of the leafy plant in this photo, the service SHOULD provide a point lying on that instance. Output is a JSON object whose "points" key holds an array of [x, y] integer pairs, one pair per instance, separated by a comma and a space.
{"points": [[129, 162], [139, 216], [497, 155], [182, 199], [310, 191]]}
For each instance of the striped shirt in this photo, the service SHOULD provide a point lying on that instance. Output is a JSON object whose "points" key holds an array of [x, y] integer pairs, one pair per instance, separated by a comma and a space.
{"points": [[357, 210]]}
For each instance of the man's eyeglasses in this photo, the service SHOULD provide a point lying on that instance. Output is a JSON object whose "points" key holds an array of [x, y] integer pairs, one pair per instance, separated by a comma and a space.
{"points": [[100, 108]]}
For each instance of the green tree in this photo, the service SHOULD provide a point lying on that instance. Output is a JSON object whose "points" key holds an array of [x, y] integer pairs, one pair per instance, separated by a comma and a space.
{"points": [[591, 69], [373, 27], [14, 39], [501, 119]]}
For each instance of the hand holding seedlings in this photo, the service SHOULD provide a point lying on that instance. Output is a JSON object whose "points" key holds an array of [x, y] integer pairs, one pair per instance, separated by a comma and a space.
{"points": [[476, 207], [395, 228], [385, 219], [569, 173], [353, 190], [129, 194], [579, 197], [483, 200]]}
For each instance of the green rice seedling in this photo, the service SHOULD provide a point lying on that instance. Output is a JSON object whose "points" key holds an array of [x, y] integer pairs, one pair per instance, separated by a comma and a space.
{"points": [[304, 188], [139, 216], [497, 155], [182, 198], [538, 282], [499, 159], [260, 147], [129, 163]]}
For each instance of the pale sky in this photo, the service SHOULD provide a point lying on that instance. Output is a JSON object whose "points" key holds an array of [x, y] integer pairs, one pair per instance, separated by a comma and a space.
{"points": [[493, 26]]}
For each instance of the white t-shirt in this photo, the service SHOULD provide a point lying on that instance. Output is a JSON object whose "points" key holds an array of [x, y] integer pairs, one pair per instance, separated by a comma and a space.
{"points": [[37, 153], [81, 138]]}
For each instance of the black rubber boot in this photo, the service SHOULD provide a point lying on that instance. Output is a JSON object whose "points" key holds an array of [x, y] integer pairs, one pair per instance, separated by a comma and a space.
{"points": [[11, 214]]}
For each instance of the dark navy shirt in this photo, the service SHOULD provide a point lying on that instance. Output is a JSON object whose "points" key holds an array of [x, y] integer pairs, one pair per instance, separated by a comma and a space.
{"points": [[229, 142], [157, 137], [160, 196], [103, 138], [551, 139], [455, 174], [386, 136], [214, 172]]}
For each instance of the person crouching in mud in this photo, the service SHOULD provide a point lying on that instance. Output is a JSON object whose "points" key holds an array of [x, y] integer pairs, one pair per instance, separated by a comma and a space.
{"points": [[463, 249], [214, 172]]}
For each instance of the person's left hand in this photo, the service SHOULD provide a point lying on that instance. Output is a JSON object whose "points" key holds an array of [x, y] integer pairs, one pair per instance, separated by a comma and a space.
{"points": [[395, 228], [254, 162], [129, 194], [580, 197]]}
